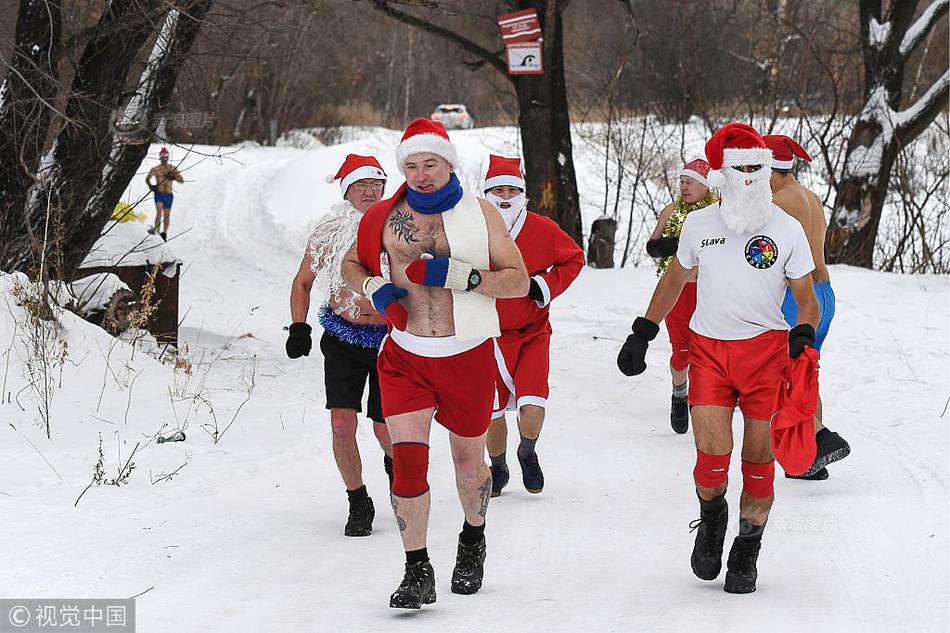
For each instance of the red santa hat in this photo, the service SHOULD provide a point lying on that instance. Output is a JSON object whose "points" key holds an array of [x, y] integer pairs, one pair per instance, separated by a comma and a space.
{"points": [[784, 150], [732, 145], [697, 169], [426, 135], [356, 167], [163, 152], [504, 171]]}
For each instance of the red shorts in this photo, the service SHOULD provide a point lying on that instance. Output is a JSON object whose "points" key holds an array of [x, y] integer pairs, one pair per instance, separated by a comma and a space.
{"points": [[523, 359], [460, 387], [677, 326], [750, 371]]}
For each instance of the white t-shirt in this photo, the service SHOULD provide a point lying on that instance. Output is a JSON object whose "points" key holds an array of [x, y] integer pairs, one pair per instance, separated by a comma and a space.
{"points": [[742, 278]]}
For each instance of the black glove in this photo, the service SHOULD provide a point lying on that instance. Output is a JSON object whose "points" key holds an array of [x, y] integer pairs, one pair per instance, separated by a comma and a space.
{"points": [[632, 357], [662, 246], [153, 188], [798, 337], [534, 291], [299, 343]]}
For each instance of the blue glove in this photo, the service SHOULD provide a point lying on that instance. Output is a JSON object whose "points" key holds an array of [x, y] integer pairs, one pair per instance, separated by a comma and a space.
{"points": [[439, 272], [385, 296]]}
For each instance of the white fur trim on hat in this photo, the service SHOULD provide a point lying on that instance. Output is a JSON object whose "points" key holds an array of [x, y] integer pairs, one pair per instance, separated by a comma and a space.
{"points": [[732, 157], [695, 175], [504, 180], [367, 171], [426, 143], [781, 164]]}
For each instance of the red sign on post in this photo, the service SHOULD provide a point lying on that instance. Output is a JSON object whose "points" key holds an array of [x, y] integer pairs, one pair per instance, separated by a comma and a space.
{"points": [[521, 32], [524, 58], [522, 26]]}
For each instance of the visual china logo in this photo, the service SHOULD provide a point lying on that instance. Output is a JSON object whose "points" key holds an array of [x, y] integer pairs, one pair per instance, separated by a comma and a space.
{"points": [[761, 252]]}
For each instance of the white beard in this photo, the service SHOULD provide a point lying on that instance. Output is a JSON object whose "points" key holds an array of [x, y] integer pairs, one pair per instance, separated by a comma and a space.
{"points": [[511, 214], [746, 207]]}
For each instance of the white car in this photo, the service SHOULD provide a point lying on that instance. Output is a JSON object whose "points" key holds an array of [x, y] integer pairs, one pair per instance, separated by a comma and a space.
{"points": [[453, 116]]}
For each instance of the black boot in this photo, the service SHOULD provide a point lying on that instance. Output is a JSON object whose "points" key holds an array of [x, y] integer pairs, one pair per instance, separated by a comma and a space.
{"points": [[679, 415], [831, 448], [417, 587], [741, 572], [469, 567], [388, 467], [499, 479], [713, 520], [820, 475], [362, 513], [531, 474]]}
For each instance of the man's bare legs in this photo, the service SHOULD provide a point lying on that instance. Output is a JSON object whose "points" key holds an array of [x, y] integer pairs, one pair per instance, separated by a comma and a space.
{"points": [[159, 213], [530, 421], [497, 436], [345, 449], [757, 449], [472, 477], [679, 375], [412, 514], [712, 428]]}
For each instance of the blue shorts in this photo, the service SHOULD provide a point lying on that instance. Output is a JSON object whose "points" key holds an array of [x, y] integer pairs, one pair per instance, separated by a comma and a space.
{"points": [[826, 306], [165, 198]]}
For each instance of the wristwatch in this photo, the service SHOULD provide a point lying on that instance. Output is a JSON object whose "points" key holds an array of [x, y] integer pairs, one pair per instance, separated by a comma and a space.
{"points": [[474, 279]]}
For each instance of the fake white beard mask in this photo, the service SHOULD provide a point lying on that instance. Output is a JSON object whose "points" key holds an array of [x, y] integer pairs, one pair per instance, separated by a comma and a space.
{"points": [[510, 215], [746, 207]]}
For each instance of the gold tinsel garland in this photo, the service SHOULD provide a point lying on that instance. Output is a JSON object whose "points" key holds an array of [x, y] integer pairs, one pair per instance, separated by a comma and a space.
{"points": [[675, 224]]}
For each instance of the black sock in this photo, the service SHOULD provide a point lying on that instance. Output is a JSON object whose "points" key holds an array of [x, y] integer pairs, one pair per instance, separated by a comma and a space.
{"points": [[471, 534], [713, 506], [750, 533], [417, 556], [498, 460], [526, 448], [824, 431], [357, 495]]}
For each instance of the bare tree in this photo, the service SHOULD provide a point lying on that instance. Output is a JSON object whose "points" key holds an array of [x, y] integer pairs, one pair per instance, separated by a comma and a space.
{"points": [[543, 110], [81, 175], [885, 124]]}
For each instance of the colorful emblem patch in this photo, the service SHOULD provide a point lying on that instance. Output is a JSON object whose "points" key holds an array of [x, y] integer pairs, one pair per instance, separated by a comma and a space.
{"points": [[761, 252]]}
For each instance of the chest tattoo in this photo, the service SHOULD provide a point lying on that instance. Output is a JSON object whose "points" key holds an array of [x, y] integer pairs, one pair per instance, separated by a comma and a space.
{"points": [[403, 227]]}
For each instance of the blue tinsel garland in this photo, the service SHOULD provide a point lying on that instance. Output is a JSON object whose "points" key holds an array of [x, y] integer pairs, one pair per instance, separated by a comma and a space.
{"points": [[365, 336]]}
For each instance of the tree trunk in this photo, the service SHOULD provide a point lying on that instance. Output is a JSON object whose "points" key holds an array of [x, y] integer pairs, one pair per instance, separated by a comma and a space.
{"points": [[882, 128], [27, 95], [544, 119], [543, 114], [155, 93], [600, 250]]}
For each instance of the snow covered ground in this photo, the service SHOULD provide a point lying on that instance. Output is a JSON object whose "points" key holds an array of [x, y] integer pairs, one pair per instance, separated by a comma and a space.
{"points": [[247, 536]]}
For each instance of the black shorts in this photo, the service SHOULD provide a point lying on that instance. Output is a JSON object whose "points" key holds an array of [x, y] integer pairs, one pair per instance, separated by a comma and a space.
{"points": [[345, 370]]}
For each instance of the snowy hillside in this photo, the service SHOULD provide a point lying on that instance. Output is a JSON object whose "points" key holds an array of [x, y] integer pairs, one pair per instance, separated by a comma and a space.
{"points": [[246, 536]]}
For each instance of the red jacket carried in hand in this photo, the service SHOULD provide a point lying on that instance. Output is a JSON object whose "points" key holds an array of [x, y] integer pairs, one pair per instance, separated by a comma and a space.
{"points": [[793, 427]]}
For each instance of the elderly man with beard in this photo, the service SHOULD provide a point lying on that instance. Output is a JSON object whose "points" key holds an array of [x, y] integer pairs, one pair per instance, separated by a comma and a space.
{"points": [[553, 260], [352, 332], [746, 251], [449, 256]]}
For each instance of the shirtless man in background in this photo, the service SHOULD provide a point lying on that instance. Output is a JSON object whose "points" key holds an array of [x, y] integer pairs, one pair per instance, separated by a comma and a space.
{"points": [[805, 206]]}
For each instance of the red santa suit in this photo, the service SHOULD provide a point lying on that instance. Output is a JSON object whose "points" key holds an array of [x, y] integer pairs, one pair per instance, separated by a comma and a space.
{"points": [[553, 261]]}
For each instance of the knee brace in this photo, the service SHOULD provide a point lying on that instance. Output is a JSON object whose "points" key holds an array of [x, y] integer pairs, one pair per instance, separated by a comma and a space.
{"points": [[410, 469], [711, 470], [758, 479]]}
